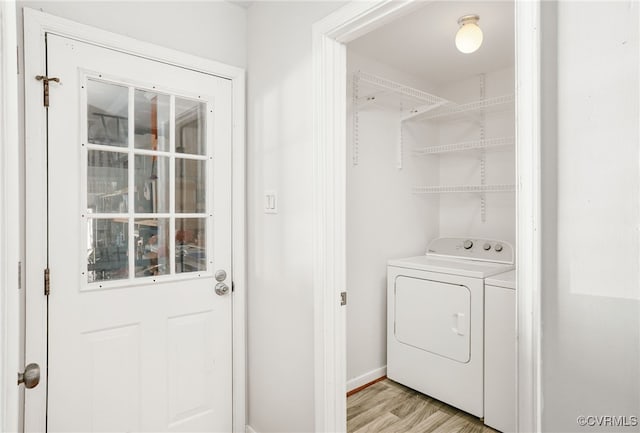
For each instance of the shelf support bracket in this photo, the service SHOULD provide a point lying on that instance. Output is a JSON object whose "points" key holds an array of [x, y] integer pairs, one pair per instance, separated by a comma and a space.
{"points": [[399, 150], [355, 97], [419, 111], [483, 152]]}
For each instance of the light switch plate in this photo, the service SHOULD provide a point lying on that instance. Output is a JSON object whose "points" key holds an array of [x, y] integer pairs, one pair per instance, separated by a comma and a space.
{"points": [[270, 202]]}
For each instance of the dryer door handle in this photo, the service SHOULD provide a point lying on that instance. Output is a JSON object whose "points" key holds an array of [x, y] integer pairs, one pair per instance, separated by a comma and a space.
{"points": [[458, 323]]}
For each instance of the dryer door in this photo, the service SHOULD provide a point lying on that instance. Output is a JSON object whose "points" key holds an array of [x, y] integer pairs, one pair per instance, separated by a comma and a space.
{"points": [[433, 316]]}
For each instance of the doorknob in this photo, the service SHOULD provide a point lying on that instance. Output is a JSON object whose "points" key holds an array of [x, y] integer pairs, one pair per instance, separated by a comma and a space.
{"points": [[30, 377], [222, 289]]}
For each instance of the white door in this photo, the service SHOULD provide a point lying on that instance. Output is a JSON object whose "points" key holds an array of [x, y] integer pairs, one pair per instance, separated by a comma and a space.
{"points": [[139, 199]]}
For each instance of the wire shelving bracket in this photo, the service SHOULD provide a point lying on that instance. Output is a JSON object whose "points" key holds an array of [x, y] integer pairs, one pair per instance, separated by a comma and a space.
{"points": [[421, 100], [483, 152], [355, 139], [417, 105]]}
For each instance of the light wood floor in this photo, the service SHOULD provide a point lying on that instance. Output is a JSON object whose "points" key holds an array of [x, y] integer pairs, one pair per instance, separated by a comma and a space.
{"points": [[388, 407]]}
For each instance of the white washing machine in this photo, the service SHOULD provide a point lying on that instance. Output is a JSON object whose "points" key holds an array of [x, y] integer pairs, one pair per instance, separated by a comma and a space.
{"points": [[435, 318]]}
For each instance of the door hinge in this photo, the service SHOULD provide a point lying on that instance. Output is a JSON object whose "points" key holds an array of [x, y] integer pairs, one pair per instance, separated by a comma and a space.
{"points": [[19, 275], [343, 298], [47, 282], [45, 85]]}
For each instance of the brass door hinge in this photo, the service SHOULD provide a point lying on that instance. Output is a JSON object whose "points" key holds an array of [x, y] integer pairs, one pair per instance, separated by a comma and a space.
{"points": [[45, 84], [47, 282]]}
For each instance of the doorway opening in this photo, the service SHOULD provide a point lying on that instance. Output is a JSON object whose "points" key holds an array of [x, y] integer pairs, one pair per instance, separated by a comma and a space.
{"points": [[423, 166], [430, 193]]}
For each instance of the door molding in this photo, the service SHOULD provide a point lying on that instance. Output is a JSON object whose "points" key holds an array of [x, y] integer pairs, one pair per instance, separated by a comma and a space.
{"points": [[329, 215], [9, 220], [36, 25]]}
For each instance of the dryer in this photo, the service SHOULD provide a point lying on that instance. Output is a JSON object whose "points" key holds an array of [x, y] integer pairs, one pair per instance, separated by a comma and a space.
{"points": [[435, 318]]}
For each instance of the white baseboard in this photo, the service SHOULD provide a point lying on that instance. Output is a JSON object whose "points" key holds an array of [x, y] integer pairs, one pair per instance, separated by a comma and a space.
{"points": [[250, 429], [366, 378]]}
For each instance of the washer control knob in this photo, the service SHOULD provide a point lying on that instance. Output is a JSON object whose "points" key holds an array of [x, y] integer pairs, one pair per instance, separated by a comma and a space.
{"points": [[498, 247], [467, 244], [486, 246]]}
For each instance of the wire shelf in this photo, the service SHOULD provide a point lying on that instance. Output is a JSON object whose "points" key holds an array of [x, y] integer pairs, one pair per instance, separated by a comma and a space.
{"points": [[445, 189], [466, 145], [400, 89], [451, 109]]}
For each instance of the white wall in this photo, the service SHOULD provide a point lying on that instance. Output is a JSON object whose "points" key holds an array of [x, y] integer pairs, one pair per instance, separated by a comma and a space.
{"points": [[460, 213], [385, 220], [213, 29], [591, 210], [280, 310]]}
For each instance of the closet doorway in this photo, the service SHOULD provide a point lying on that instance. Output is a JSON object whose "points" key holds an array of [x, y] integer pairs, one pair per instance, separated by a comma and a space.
{"points": [[332, 35]]}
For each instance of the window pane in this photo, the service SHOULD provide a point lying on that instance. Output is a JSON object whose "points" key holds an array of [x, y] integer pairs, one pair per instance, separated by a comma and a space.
{"points": [[190, 186], [191, 252], [190, 126], [152, 184], [152, 121], [107, 255], [107, 182], [107, 114], [152, 246]]}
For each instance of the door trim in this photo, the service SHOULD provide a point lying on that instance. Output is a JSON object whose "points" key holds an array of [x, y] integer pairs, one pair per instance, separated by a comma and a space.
{"points": [[36, 25], [9, 220], [329, 187]]}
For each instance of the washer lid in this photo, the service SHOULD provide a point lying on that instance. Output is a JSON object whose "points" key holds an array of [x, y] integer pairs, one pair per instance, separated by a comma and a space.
{"points": [[465, 268], [506, 280]]}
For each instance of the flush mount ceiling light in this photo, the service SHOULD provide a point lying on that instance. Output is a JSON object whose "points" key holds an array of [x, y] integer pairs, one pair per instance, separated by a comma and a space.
{"points": [[469, 36]]}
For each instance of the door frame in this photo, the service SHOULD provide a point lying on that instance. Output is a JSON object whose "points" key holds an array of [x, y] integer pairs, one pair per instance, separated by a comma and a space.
{"points": [[330, 36], [36, 25], [9, 220]]}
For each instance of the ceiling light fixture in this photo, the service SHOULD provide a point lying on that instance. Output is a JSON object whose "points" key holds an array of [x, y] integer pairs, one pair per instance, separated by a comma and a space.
{"points": [[469, 36]]}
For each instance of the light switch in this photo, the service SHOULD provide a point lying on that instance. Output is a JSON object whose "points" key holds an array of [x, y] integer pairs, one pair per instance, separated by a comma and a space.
{"points": [[270, 202]]}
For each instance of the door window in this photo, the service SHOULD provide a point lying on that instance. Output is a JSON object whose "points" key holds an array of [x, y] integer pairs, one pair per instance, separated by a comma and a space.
{"points": [[147, 196]]}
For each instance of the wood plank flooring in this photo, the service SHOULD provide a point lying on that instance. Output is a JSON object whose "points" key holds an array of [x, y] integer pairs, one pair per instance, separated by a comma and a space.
{"points": [[388, 407]]}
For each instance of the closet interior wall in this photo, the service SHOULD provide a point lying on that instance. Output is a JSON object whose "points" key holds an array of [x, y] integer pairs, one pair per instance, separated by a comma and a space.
{"points": [[384, 218]]}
